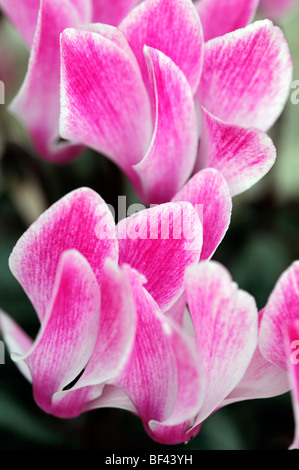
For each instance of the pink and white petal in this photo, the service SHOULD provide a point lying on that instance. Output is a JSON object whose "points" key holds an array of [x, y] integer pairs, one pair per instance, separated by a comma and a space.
{"points": [[16, 341], [281, 309], [242, 155], [171, 156], [95, 110], [150, 377], [219, 17], [23, 16], [117, 328], [81, 220], [160, 243], [68, 333], [111, 12], [37, 103], [261, 380], [275, 9], [208, 192], [292, 360], [178, 427], [247, 75], [171, 26], [225, 321]]}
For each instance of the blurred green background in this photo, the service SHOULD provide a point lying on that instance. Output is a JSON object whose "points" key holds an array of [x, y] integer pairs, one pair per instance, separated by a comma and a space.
{"points": [[262, 241]]}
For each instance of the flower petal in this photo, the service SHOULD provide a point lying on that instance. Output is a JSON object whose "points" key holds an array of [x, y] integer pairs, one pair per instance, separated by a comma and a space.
{"points": [[23, 16], [111, 12], [68, 333], [117, 328], [281, 309], [261, 380], [247, 75], [242, 155], [178, 427], [16, 341], [82, 221], [115, 120], [160, 243], [225, 322], [172, 153], [208, 192], [292, 360], [37, 103], [171, 26], [150, 376], [219, 17]]}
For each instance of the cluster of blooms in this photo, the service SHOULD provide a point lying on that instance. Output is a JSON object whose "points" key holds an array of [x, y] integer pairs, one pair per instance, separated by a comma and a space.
{"points": [[180, 96]]}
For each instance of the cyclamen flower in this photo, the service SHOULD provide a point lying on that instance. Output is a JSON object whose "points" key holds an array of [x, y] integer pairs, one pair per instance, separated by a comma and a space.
{"points": [[40, 22], [131, 93], [104, 340]]}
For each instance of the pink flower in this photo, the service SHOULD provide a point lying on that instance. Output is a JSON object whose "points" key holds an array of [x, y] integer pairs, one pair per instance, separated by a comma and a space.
{"points": [[100, 294], [274, 368], [40, 23], [148, 125]]}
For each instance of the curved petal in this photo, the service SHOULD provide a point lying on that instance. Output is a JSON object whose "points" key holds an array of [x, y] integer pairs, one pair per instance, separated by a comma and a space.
{"points": [[111, 12], [80, 220], [219, 17], [281, 309], [171, 26], [225, 321], [172, 153], [117, 328], [150, 377], [160, 243], [115, 337], [95, 110], [208, 192], [242, 155], [261, 380], [292, 353], [16, 341], [68, 333], [247, 75], [23, 16], [178, 427]]}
